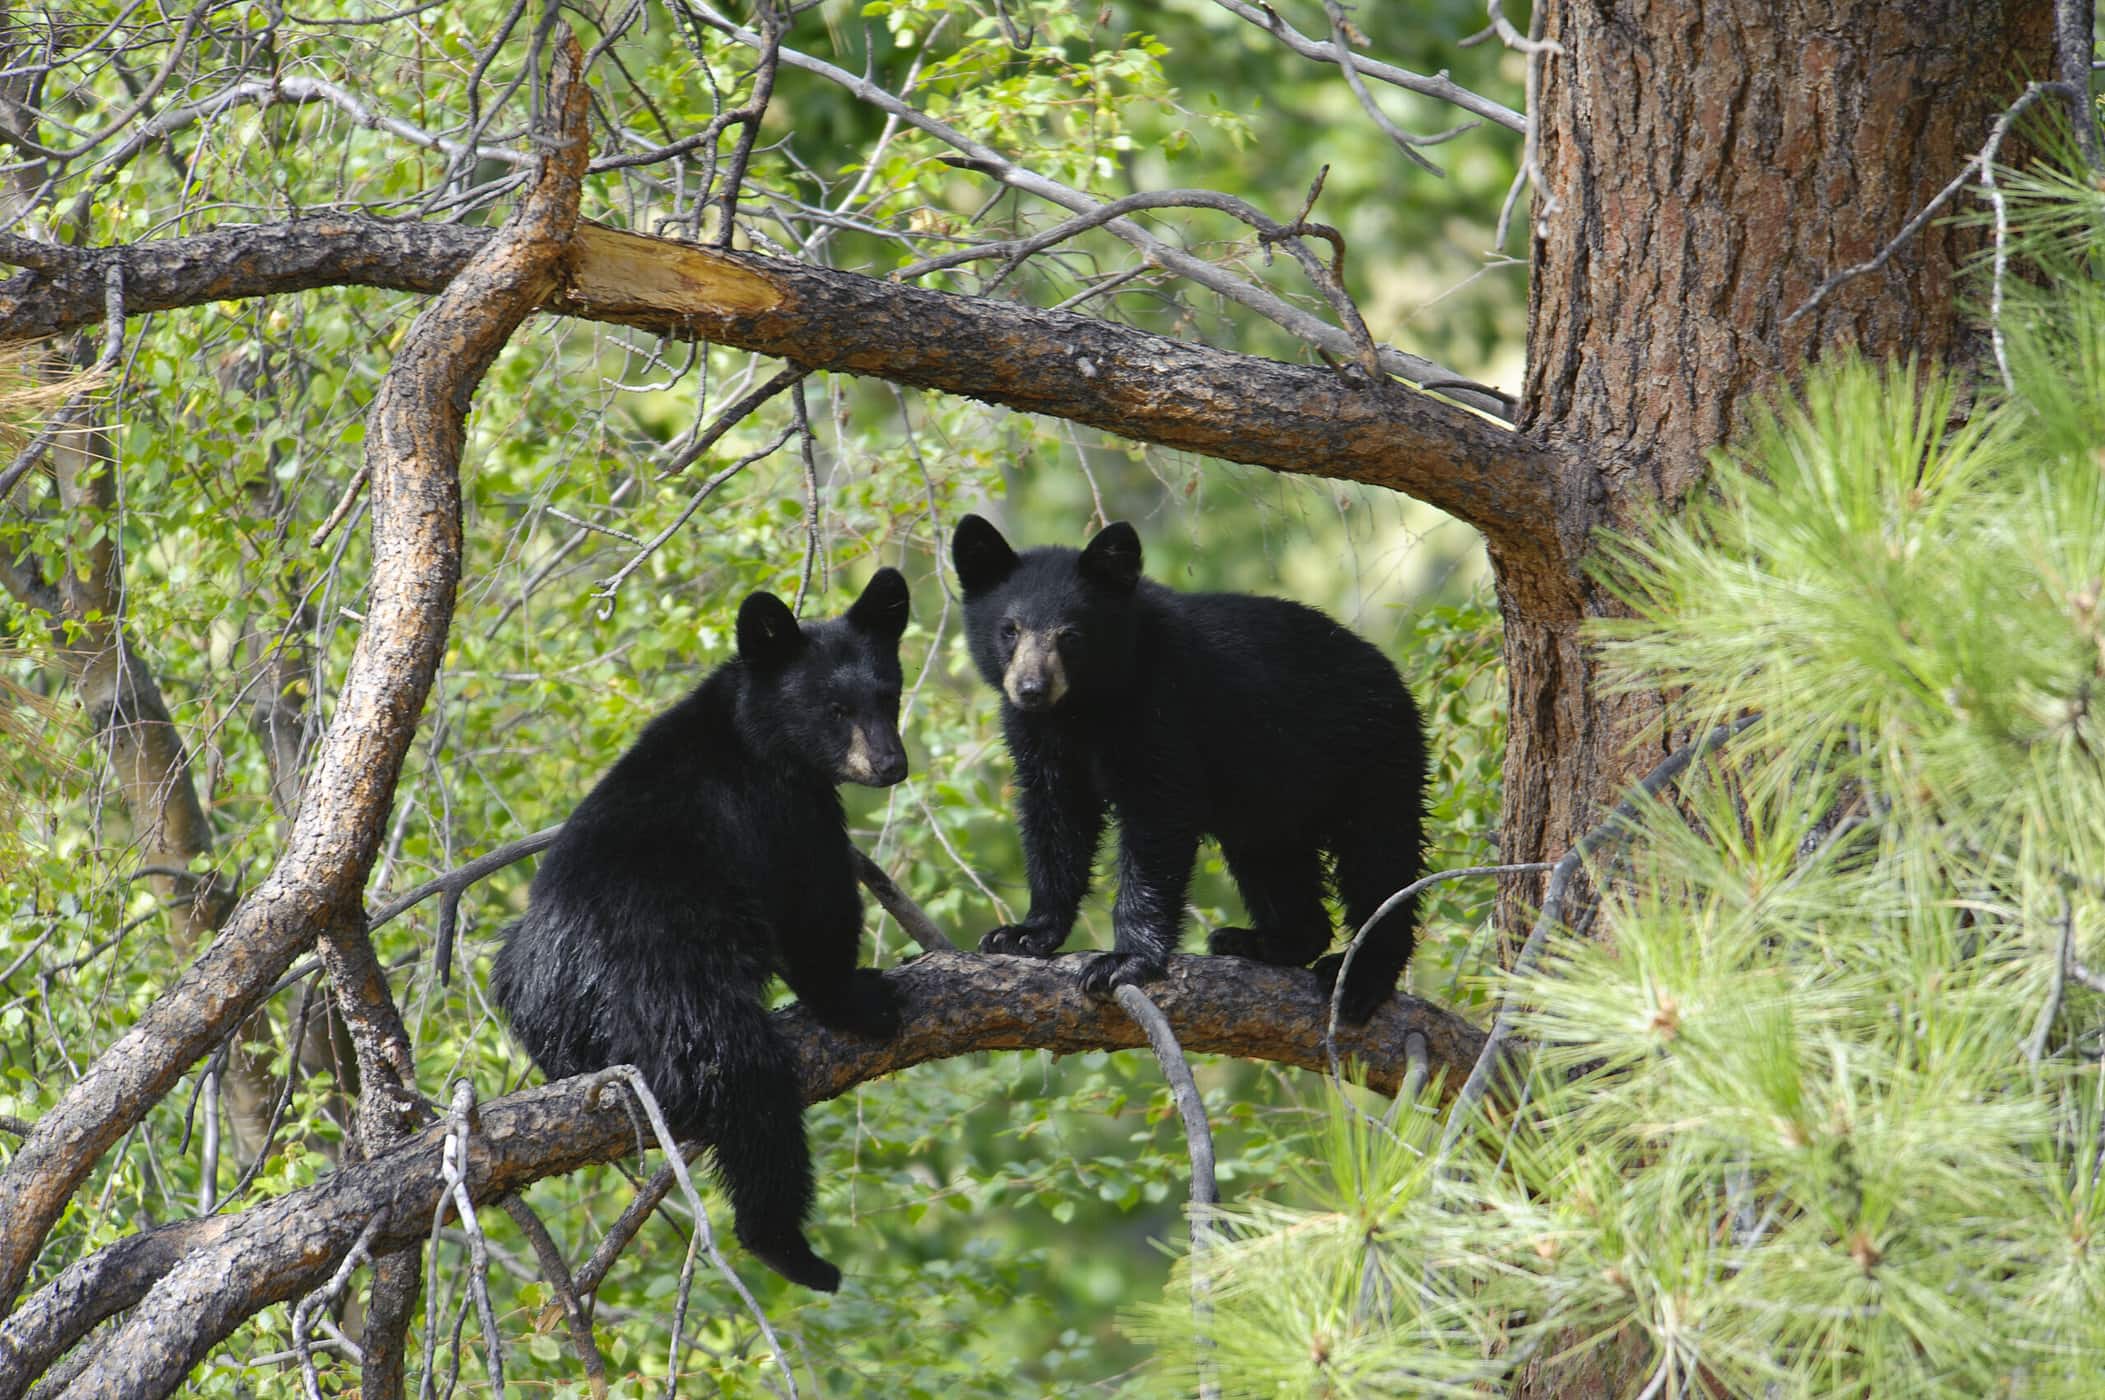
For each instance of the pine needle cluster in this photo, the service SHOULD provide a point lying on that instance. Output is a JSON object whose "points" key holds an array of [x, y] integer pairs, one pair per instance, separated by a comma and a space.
{"points": [[1815, 1108]]}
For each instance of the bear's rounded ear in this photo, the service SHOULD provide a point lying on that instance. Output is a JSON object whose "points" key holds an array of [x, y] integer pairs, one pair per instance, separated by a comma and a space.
{"points": [[1112, 559], [882, 608], [768, 634], [982, 557]]}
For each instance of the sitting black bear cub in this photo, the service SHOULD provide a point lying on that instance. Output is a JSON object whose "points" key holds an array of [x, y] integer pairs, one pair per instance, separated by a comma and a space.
{"points": [[1257, 721], [711, 856]]}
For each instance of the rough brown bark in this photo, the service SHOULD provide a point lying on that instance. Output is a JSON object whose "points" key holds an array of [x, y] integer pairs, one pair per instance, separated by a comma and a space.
{"points": [[1240, 407], [199, 1279], [1708, 166]]}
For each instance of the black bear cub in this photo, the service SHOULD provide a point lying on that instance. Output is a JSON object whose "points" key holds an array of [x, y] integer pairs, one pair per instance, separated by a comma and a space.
{"points": [[711, 856], [1255, 721]]}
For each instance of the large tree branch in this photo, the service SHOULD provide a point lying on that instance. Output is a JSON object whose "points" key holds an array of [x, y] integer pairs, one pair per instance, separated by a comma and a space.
{"points": [[413, 442], [1243, 408], [200, 1279]]}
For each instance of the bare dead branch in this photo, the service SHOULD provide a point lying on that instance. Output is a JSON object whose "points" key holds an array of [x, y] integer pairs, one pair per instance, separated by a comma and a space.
{"points": [[689, 452], [1141, 386], [986, 160], [628, 1223], [1198, 1135], [1404, 141], [557, 1274], [1980, 161], [1337, 990], [2057, 985], [1269, 232], [910, 917], [1437, 86], [705, 1236], [1198, 1141], [453, 1155], [303, 1313]]}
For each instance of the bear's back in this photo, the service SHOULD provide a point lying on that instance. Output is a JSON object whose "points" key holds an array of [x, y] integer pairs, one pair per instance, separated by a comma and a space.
{"points": [[1272, 708]]}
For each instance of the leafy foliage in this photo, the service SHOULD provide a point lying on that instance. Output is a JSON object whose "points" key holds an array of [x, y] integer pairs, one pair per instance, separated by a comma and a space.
{"points": [[994, 1217]]}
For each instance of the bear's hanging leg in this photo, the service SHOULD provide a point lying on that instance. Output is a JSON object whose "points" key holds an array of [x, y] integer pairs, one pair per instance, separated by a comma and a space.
{"points": [[753, 1122], [1282, 889], [1376, 857]]}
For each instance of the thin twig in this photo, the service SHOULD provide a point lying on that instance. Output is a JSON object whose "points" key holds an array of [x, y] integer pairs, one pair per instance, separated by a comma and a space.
{"points": [[730, 418], [1979, 160], [1439, 85], [985, 159], [284, 1099], [303, 1312], [1404, 140], [2073, 46], [1198, 1139], [748, 119], [606, 591], [1608, 832], [632, 1078], [454, 1170], [808, 451], [1381, 911], [2036, 1044], [593, 1271], [352, 490], [912, 919], [557, 1273]]}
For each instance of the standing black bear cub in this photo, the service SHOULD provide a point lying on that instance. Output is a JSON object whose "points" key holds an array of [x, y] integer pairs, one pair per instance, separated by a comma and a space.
{"points": [[711, 856], [1256, 721]]}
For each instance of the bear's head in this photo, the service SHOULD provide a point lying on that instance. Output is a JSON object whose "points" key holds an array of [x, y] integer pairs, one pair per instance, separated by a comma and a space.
{"points": [[1049, 623], [825, 695]]}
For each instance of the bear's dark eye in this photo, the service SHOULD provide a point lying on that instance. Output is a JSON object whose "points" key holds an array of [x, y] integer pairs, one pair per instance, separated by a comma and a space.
{"points": [[837, 710], [1067, 634], [1009, 629]]}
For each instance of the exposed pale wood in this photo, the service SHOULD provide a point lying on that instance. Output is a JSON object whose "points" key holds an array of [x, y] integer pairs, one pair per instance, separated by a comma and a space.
{"points": [[1293, 418]]}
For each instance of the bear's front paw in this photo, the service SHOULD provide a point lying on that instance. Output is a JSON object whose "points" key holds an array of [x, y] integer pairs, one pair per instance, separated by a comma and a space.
{"points": [[1365, 990], [1024, 940], [1105, 973], [869, 1007]]}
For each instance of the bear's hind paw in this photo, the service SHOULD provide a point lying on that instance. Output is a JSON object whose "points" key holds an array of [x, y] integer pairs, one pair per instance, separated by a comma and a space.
{"points": [[1105, 973], [1364, 994], [1265, 946], [795, 1260]]}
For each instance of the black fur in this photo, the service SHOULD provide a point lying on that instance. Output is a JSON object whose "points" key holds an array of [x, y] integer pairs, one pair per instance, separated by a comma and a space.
{"points": [[1255, 721], [711, 856]]}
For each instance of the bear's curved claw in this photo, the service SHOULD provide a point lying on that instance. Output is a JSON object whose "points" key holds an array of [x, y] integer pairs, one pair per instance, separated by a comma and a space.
{"points": [[1024, 940], [1105, 973]]}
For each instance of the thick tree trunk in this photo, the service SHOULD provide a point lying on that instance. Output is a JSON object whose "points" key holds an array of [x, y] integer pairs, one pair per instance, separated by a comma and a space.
{"points": [[1708, 166]]}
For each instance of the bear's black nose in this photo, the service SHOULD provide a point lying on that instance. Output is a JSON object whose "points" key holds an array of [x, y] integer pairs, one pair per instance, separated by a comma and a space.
{"points": [[1030, 690]]}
